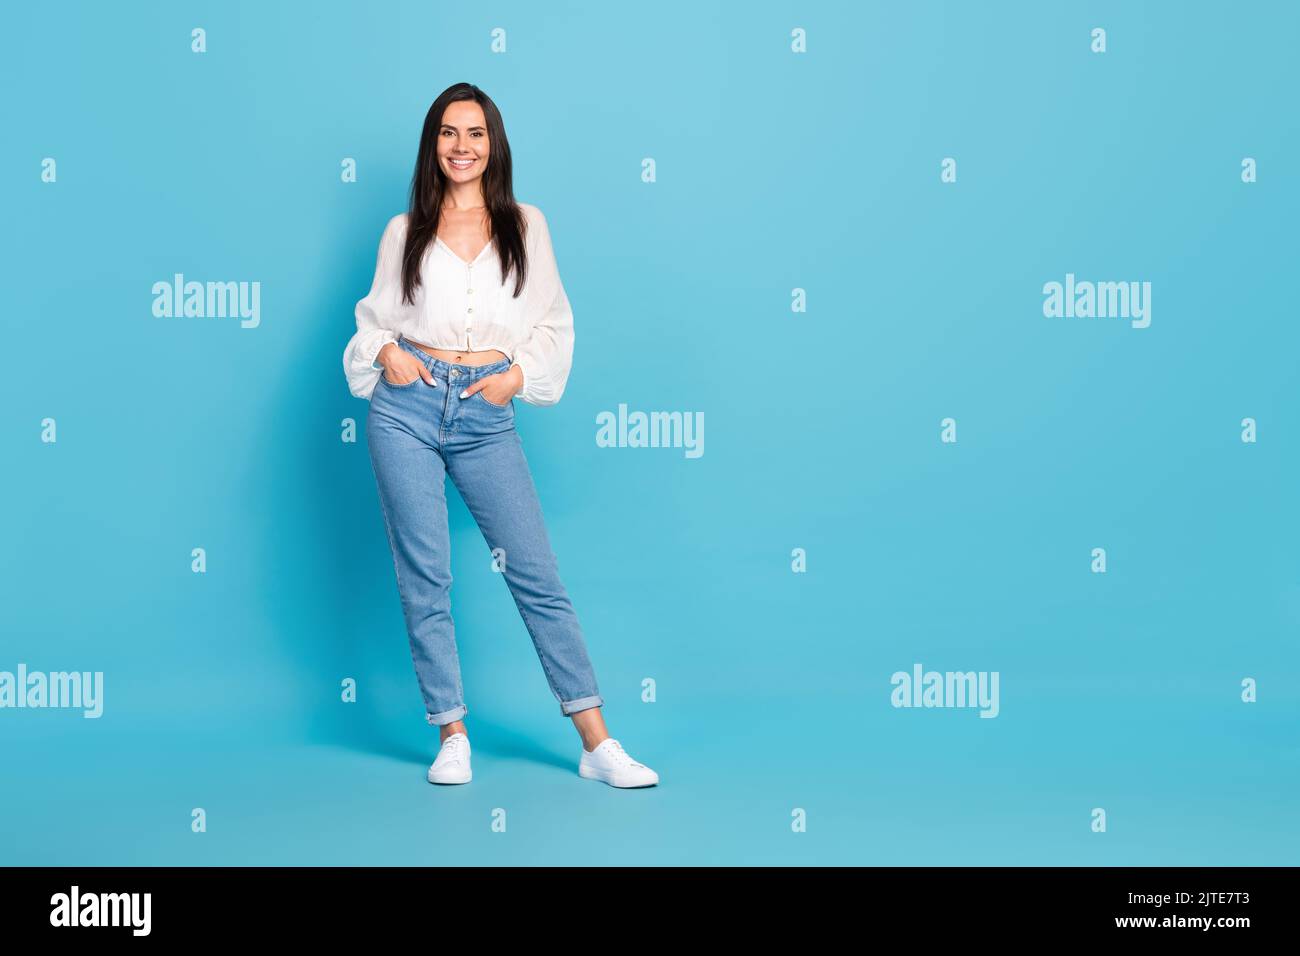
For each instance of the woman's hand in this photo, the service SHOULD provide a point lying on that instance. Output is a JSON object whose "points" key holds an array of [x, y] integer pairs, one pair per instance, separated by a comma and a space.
{"points": [[402, 368], [498, 388]]}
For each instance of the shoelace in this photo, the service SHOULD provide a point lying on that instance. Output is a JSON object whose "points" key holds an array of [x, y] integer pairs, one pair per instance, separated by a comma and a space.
{"points": [[452, 747], [620, 755]]}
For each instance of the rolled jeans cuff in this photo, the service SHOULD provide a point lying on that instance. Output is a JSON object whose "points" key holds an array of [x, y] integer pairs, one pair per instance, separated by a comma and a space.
{"points": [[582, 703], [447, 716]]}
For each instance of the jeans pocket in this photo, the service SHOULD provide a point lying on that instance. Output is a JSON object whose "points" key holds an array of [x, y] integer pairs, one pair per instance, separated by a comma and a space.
{"points": [[383, 378], [509, 404]]}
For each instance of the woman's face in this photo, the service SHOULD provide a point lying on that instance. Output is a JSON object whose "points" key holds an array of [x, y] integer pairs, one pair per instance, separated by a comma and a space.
{"points": [[463, 142]]}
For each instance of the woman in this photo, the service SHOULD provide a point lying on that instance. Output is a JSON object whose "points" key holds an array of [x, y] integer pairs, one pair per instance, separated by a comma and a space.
{"points": [[466, 313]]}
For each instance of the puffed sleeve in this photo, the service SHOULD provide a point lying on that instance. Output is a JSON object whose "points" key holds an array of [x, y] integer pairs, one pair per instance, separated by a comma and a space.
{"points": [[546, 355], [377, 314]]}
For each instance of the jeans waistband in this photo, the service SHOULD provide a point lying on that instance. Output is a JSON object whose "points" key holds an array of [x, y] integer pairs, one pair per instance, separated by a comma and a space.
{"points": [[443, 369]]}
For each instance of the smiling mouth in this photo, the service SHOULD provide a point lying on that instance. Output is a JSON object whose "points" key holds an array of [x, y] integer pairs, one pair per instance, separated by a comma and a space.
{"points": [[461, 163]]}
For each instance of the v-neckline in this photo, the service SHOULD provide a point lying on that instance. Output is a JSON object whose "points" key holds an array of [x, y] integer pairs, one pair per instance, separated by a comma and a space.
{"points": [[452, 251]]}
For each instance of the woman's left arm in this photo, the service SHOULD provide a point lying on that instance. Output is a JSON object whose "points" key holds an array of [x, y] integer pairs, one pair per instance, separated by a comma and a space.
{"points": [[546, 356]]}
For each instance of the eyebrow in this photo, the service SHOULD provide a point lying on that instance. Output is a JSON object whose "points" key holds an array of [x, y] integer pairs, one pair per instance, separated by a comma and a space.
{"points": [[470, 129]]}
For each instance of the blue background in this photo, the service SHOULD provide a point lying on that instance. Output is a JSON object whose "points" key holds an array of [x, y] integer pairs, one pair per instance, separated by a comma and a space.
{"points": [[775, 171]]}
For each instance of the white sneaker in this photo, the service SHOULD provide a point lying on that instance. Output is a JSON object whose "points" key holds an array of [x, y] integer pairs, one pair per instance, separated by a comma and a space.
{"points": [[612, 764], [452, 763]]}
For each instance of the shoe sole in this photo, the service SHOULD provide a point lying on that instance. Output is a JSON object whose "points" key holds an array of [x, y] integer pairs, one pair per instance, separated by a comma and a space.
{"points": [[467, 779], [590, 774]]}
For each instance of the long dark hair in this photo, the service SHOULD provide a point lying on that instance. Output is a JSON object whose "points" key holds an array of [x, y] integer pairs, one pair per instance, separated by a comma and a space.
{"points": [[429, 185]]}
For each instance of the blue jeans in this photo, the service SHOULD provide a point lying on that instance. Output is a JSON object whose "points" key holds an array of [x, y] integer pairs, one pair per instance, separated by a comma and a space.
{"points": [[419, 434]]}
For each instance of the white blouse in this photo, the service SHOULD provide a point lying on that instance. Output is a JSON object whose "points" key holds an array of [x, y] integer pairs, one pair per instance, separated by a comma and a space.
{"points": [[465, 306]]}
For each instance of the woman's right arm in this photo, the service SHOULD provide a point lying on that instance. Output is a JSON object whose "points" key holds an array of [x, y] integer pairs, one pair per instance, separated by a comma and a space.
{"points": [[377, 314]]}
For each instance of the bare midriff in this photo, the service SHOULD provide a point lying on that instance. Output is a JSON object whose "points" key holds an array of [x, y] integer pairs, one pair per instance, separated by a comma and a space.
{"points": [[483, 357]]}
